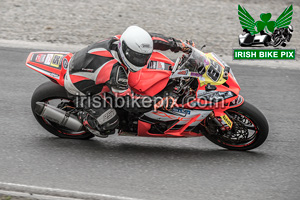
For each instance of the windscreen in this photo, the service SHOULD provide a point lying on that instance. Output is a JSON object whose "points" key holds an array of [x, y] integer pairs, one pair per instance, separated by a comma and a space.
{"points": [[195, 62]]}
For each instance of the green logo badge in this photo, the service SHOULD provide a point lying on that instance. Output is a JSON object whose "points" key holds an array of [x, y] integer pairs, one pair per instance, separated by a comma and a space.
{"points": [[254, 27], [265, 32]]}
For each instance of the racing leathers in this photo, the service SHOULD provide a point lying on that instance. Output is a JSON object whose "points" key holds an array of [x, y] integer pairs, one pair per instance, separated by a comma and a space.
{"points": [[98, 69]]}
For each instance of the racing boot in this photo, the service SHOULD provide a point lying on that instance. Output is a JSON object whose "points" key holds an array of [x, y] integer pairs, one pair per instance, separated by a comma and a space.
{"points": [[101, 121]]}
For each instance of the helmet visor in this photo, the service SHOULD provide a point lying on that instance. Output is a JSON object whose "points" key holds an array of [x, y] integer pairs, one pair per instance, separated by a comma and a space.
{"points": [[135, 58]]}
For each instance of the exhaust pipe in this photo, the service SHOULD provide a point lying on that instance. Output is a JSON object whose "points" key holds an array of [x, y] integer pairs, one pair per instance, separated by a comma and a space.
{"points": [[58, 116]]}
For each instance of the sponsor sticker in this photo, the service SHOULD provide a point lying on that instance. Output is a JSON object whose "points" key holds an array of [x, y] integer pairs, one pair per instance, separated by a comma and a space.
{"points": [[183, 111], [183, 72], [206, 62], [195, 74], [65, 63], [54, 75], [146, 46], [199, 76], [32, 57], [40, 58], [48, 59], [227, 120], [157, 65], [56, 60]]}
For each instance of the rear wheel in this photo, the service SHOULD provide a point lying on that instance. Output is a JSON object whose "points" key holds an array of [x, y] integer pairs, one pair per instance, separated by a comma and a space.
{"points": [[250, 129], [56, 95]]}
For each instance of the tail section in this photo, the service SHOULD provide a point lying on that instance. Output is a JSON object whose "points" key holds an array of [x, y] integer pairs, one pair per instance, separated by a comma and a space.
{"points": [[51, 64]]}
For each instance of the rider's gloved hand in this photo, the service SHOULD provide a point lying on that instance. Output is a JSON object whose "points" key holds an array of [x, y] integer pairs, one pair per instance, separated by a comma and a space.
{"points": [[179, 45], [166, 103], [190, 42]]}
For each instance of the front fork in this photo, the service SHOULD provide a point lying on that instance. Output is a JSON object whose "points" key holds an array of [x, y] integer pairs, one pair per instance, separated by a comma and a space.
{"points": [[222, 120], [221, 117]]}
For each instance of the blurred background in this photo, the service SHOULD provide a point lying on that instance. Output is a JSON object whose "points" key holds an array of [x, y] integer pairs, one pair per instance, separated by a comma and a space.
{"points": [[211, 22]]}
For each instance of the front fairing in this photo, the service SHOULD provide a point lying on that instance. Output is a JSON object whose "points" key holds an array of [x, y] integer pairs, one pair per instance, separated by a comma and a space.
{"points": [[226, 87], [214, 73]]}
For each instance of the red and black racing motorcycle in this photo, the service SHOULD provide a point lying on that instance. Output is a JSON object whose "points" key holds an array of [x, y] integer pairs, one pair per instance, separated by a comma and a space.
{"points": [[209, 103]]}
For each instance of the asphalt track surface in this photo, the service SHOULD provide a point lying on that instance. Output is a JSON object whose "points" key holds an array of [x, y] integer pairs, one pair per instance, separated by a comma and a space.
{"points": [[153, 168]]}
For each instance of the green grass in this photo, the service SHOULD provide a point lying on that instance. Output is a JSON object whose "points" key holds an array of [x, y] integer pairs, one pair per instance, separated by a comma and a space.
{"points": [[5, 198]]}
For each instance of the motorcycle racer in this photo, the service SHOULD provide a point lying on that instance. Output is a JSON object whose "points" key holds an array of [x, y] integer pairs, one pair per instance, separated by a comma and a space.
{"points": [[104, 67]]}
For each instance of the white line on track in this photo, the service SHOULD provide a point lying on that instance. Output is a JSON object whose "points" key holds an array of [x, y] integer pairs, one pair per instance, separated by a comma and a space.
{"points": [[52, 192]]}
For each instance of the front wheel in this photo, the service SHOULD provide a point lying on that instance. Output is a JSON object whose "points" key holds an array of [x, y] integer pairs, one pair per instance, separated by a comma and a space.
{"points": [[250, 129]]}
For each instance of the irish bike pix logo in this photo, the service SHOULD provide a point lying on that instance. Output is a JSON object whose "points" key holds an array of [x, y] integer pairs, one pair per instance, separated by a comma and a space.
{"points": [[265, 33]]}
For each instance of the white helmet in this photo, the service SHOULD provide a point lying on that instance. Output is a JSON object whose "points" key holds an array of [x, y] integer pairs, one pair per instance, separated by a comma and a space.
{"points": [[135, 47]]}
